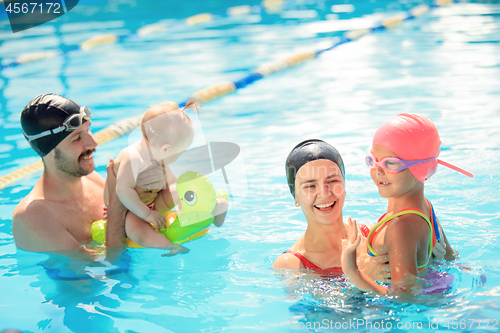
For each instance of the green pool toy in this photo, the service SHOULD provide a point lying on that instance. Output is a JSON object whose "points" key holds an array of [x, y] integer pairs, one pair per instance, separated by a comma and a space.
{"points": [[198, 198]]}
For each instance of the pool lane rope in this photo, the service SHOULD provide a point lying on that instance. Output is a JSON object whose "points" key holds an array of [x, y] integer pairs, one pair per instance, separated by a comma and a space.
{"points": [[224, 88], [268, 6]]}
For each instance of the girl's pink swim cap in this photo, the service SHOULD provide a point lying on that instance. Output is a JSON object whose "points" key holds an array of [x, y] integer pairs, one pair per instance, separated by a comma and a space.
{"points": [[413, 137]]}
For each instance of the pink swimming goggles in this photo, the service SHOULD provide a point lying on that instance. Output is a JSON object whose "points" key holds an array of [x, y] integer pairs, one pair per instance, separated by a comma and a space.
{"points": [[396, 164]]}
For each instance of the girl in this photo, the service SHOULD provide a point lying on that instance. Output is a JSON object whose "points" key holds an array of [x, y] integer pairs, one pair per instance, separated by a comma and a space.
{"points": [[403, 156]]}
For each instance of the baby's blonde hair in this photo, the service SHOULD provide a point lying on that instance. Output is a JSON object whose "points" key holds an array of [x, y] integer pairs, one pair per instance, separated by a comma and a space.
{"points": [[173, 127]]}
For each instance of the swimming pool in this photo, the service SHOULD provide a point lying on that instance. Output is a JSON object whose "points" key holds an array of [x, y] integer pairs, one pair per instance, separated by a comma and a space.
{"points": [[444, 65]]}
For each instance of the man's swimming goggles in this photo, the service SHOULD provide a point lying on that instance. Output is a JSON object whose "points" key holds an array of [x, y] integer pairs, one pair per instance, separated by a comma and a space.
{"points": [[396, 164], [70, 124]]}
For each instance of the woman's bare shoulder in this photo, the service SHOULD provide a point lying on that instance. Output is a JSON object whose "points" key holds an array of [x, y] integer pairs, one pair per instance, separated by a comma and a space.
{"points": [[287, 261]]}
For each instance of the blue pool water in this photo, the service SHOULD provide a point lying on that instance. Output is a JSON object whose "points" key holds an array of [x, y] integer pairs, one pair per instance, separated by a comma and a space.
{"points": [[445, 65]]}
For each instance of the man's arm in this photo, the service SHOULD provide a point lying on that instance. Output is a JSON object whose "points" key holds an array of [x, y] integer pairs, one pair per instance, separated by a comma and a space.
{"points": [[34, 229], [115, 226]]}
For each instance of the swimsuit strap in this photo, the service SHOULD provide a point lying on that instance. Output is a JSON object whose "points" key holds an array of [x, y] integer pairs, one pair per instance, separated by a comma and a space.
{"points": [[382, 222], [307, 264], [365, 231], [434, 221]]}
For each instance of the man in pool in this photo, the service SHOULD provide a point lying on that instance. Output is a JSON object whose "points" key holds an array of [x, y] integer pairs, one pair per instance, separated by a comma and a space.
{"points": [[58, 212]]}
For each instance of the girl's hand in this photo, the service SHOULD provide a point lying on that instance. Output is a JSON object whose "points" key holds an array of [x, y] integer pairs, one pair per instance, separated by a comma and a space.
{"points": [[348, 259], [353, 240]]}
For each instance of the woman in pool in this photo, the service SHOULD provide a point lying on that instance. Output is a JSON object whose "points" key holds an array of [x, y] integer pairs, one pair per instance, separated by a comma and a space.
{"points": [[316, 177]]}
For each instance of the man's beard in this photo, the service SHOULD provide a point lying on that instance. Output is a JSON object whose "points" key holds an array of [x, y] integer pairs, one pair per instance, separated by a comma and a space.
{"points": [[71, 167]]}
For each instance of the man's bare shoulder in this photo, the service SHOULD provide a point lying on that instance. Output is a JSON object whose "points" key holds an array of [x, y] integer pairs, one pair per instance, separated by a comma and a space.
{"points": [[39, 206], [33, 207], [96, 179], [26, 227]]}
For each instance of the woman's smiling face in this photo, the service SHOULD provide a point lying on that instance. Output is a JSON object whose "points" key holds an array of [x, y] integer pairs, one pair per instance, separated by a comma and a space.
{"points": [[319, 189]]}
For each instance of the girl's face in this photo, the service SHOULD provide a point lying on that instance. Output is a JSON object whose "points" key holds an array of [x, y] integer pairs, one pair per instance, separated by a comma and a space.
{"points": [[391, 184], [319, 189]]}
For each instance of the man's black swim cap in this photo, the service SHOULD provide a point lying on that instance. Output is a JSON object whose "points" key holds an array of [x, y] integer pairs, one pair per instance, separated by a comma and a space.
{"points": [[46, 112], [307, 151]]}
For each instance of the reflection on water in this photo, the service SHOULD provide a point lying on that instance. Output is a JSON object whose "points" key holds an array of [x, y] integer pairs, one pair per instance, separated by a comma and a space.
{"points": [[136, 291], [330, 301]]}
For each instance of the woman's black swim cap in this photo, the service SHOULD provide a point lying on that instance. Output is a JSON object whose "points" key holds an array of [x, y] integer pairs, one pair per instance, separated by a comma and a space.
{"points": [[307, 151], [46, 112]]}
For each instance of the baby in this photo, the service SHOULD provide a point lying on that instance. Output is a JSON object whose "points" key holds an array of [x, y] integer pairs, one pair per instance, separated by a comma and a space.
{"points": [[167, 131]]}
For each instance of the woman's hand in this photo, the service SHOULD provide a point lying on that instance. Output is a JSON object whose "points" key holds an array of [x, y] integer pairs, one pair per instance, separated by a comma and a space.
{"points": [[439, 250], [377, 268], [443, 249]]}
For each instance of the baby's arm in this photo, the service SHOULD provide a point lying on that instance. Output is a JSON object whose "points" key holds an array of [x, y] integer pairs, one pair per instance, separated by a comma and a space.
{"points": [[128, 196], [164, 201]]}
